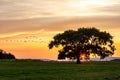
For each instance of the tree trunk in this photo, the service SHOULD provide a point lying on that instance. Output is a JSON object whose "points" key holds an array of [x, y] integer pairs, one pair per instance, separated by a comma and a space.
{"points": [[78, 59]]}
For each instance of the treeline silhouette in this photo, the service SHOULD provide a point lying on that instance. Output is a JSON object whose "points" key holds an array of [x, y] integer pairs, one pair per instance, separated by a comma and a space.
{"points": [[5, 55]]}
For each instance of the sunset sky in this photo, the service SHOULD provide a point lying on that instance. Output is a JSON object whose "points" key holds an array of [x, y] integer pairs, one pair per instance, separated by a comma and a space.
{"points": [[27, 26]]}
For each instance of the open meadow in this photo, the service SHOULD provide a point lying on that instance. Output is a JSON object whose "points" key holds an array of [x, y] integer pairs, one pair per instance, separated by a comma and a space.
{"points": [[39, 70]]}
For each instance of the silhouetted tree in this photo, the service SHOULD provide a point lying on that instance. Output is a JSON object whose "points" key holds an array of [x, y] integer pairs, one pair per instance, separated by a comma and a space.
{"points": [[5, 55], [84, 40]]}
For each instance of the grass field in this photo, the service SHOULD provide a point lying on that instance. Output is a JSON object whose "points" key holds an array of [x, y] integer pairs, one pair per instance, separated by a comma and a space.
{"points": [[38, 70]]}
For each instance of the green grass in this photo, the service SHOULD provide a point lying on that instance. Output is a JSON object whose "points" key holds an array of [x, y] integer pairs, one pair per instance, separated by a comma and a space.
{"points": [[38, 70]]}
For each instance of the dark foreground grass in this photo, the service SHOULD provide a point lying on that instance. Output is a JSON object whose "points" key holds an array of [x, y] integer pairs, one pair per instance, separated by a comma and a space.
{"points": [[38, 70]]}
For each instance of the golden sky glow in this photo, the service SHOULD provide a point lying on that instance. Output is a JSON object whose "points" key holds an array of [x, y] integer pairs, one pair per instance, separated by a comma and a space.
{"points": [[27, 26]]}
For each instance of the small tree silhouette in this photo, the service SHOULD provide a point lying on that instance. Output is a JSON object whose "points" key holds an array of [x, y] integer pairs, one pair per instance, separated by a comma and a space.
{"points": [[5, 55]]}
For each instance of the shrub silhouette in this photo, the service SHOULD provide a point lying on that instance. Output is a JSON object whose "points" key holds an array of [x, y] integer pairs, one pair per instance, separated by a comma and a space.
{"points": [[5, 55]]}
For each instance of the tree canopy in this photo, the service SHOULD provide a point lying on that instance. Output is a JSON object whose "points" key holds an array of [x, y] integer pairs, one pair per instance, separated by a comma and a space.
{"points": [[83, 41]]}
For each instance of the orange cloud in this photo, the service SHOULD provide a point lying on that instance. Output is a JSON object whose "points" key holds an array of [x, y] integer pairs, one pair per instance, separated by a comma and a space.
{"points": [[29, 40]]}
